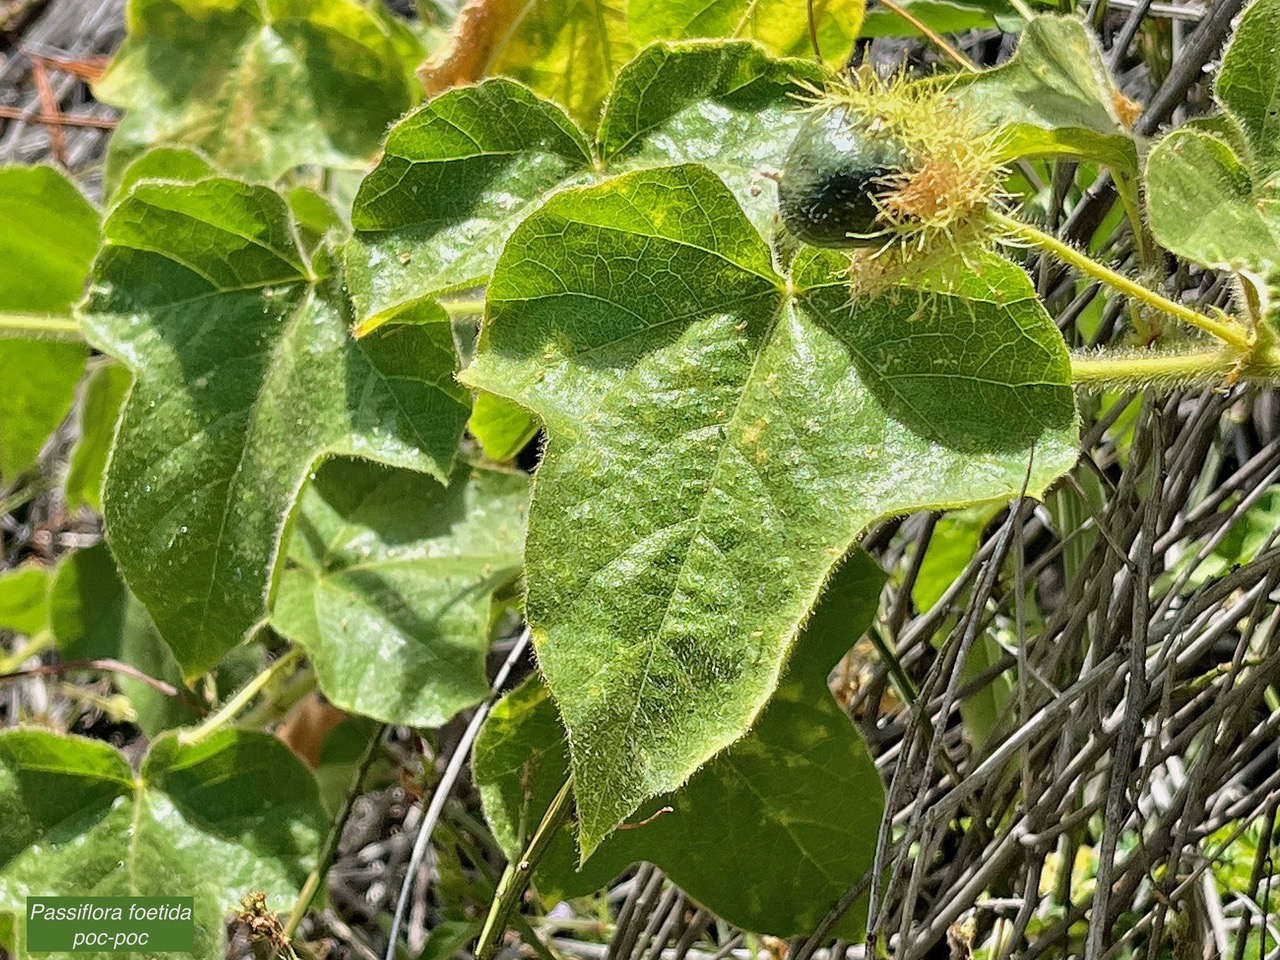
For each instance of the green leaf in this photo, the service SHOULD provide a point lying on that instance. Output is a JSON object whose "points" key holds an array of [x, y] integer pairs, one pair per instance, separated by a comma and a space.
{"points": [[1249, 82], [93, 615], [454, 179], [955, 539], [939, 16], [716, 443], [49, 228], [567, 50], [245, 377], [1054, 97], [103, 396], [800, 785], [87, 602], [1202, 205], [782, 26], [391, 585], [24, 599], [728, 106], [236, 814], [261, 86], [459, 174], [501, 427], [178, 164]]}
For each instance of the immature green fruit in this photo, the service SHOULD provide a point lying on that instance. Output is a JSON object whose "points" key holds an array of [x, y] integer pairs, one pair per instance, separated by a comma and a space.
{"points": [[832, 177]]}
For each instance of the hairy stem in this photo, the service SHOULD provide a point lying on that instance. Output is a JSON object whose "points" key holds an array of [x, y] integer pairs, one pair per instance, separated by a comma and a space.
{"points": [[238, 702], [40, 326], [1226, 329], [1127, 369], [517, 874]]}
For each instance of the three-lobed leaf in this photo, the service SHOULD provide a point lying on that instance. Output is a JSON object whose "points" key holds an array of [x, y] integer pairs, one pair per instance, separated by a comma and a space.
{"points": [[235, 814], [718, 437], [246, 375], [261, 85], [459, 174], [800, 785], [392, 581]]}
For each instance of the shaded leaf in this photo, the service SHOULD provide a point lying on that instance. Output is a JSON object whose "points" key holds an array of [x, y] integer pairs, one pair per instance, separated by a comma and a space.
{"points": [[800, 786], [717, 443], [1054, 97], [24, 599], [391, 585], [261, 86], [245, 377], [460, 173], [236, 814], [103, 395], [93, 615], [52, 231]]}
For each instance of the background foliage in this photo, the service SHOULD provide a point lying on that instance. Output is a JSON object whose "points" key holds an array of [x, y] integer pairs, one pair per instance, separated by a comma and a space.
{"points": [[349, 276]]}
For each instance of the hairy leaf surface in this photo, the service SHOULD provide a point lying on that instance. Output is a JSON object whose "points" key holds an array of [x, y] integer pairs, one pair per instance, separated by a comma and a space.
{"points": [[261, 86], [800, 785], [235, 814], [1054, 97], [392, 581], [1204, 205], [718, 437], [462, 171], [246, 375], [1249, 82]]}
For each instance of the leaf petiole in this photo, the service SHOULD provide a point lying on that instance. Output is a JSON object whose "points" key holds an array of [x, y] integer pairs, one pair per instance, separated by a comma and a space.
{"points": [[515, 878], [1227, 330], [1132, 368], [238, 702], [41, 326]]}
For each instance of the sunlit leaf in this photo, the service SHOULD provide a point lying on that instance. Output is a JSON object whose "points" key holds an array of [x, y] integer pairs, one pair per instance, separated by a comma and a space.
{"points": [[717, 440], [801, 786], [246, 376], [461, 172], [1054, 97], [51, 230]]}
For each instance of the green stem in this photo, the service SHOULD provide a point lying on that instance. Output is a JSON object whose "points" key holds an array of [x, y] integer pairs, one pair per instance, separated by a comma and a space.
{"points": [[515, 879], [41, 326], [1127, 190], [1227, 330], [241, 700], [1132, 368]]}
